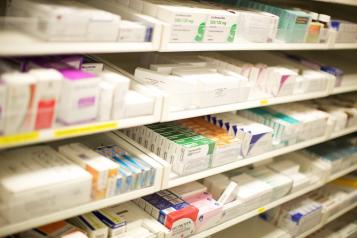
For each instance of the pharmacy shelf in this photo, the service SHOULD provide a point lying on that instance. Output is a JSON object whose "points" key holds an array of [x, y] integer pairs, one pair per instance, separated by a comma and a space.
{"points": [[60, 132], [329, 219], [177, 115], [15, 42], [70, 212], [344, 89], [271, 205], [171, 179], [6, 229], [47, 135], [176, 180], [343, 132], [159, 114], [179, 47]]}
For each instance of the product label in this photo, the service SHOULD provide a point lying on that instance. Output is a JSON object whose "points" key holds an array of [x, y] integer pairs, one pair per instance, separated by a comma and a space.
{"points": [[45, 114], [86, 102], [200, 32], [302, 20], [182, 228], [264, 102], [261, 210], [232, 33]]}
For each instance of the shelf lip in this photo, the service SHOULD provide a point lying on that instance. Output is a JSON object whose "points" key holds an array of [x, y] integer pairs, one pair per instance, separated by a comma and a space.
{"points": [[342, 2], [50, 48], [244, 162], [177, 47], [344, 89], [256, 212], [174, 47], [30, 46], [74, 211], [47, 135]]}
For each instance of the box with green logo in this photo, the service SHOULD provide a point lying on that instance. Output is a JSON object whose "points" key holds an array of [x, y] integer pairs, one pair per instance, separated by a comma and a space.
{"points": [[191, 154]]}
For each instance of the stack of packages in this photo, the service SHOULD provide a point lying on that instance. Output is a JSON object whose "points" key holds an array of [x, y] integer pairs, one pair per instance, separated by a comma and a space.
{"points": [[212, 79], [337, 155], [127, 172], [293, 24], [120, 221], [255, 138], [195, 22], [75, 171], [67, 20], [303, 214], [291, 123], [348, 185], [184, 209], [64, 89], [300, 25], [335, 196], [189, 145], [61, 229], [296, 216], [193, 82], [224, 196], [342, 110], [38, 180]]}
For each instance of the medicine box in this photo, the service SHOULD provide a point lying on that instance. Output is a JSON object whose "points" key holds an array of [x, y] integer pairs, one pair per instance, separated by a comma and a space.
{"points": [[189, 190], [187, 24], [60, 229], [120, 85], [92, 225], [187, 151], [119, 219], [136, 222], [134, 173], [293, 24], [256, 26], [227, 147], [255, 138], [19, 111], [67, 20], [130, 31], [136, 104], [47, 92], [171, 211], [103, 170], [210, 212], [252, 191], [37, 180], [280, 183], [296, 216], [79, 97]]}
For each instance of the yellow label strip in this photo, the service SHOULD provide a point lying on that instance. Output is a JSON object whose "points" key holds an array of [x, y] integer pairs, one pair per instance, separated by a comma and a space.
{"points": [[261, 210], [19, 138], [82, 130], [264, 102]]}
